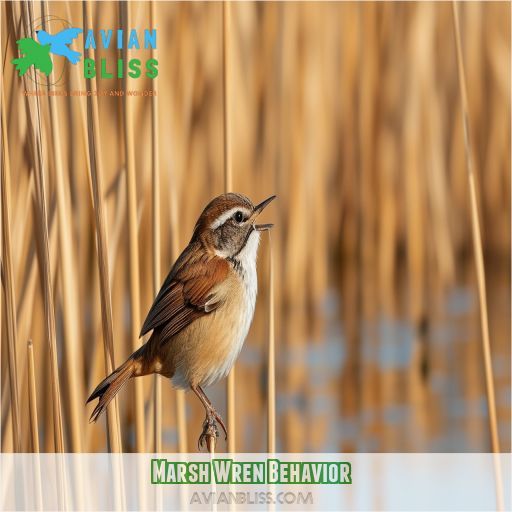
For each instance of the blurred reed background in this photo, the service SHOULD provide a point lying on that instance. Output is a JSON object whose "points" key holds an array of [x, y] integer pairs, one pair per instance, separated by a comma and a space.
{"points": [[350, 113]]}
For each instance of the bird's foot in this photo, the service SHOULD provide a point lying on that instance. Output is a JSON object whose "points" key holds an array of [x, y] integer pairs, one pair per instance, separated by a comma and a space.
{"points": [[218, 417], [209, 434]]}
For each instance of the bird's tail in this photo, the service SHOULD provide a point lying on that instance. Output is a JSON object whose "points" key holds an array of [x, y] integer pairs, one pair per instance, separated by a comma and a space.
{"points": [[22, 64], [108, 388]]}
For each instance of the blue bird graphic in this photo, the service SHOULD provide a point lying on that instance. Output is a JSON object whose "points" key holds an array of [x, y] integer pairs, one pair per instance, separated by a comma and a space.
{"points": [[58, 42]]}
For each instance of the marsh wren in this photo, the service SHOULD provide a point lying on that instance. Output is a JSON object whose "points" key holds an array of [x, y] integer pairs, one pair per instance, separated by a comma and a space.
{"points": [[202, 314]]}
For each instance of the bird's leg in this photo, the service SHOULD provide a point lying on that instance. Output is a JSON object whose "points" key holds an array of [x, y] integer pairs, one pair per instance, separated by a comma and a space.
{"points": [[218, 417], [210, 431]]}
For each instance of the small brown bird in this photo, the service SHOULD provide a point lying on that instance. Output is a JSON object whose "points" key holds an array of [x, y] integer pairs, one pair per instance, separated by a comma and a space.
{"points": [[203, 312]]}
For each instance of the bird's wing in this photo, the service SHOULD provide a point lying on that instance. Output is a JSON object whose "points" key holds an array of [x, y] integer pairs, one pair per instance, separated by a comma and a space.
{"points": [[28, 46], [67, 35], [189, 292]]}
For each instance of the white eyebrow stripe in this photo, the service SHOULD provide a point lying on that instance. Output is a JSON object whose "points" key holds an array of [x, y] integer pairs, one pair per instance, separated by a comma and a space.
{"points": [[226, 215]]}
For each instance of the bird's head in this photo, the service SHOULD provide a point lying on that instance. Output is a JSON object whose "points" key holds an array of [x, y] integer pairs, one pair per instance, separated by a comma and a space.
{"points": [[228, 226], [43, 36]]}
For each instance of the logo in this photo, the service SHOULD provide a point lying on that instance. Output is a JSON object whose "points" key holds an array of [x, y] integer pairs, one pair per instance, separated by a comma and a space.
{"points": [[54, 45], [38, 52]]}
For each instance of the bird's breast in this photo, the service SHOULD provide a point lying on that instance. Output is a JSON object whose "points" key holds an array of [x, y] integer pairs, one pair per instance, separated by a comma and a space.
{"points": [[207, 349], [248, 292]]}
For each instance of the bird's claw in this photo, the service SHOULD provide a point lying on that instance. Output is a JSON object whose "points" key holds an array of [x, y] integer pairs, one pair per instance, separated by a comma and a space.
{"points": [[209, 434], [219, 419]]}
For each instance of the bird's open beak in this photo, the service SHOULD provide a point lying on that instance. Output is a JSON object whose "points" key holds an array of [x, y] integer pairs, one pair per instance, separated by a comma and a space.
{"points": [[257, 210]]}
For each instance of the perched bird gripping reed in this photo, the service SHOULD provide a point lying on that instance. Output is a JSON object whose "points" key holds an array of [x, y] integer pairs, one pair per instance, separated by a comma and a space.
{"points": [[203, 312]]}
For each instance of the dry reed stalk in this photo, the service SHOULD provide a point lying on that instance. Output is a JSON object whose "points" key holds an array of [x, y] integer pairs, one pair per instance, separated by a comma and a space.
{"points": [[181, 415], [16, 27], [413, 160], [369, 71], [8, 273], [117, 229], [416, 177], [387, 144], [228, 186], [116, 190], [271, 382], [479, 262], [45, 266], [2, 107], [26, 301], [75, 392], [34, 430], [181, 421], [211, 448], [226, 81], [173, 194], [69, 302], [211, 441], [293, 205], [42, 223], [82, 108], [155, 194], [27, 273], [32, 399], [11, 429], [437, 188], [113, 426], [133, 251]]}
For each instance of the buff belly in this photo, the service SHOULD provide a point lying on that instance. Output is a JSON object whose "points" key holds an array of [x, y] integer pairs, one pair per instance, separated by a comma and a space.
{"points": [[206, 350]]}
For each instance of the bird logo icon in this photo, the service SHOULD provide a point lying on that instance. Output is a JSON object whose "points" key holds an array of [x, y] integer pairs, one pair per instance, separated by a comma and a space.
{"points": [[37, 54], [33, 54]]}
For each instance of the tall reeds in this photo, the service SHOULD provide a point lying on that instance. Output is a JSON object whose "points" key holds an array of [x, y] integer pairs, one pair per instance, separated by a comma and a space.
{"points": [[70, 306], [228, 187], [34, 425], [133, 243], [32, 399], [271, 359], [8, 277], [39, 169], [95, 157], [479, 260], [346, 111], [155, 213]]}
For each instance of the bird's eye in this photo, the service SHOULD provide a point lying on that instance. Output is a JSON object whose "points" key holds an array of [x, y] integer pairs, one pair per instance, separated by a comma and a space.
{"points": [[239, 216]]}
